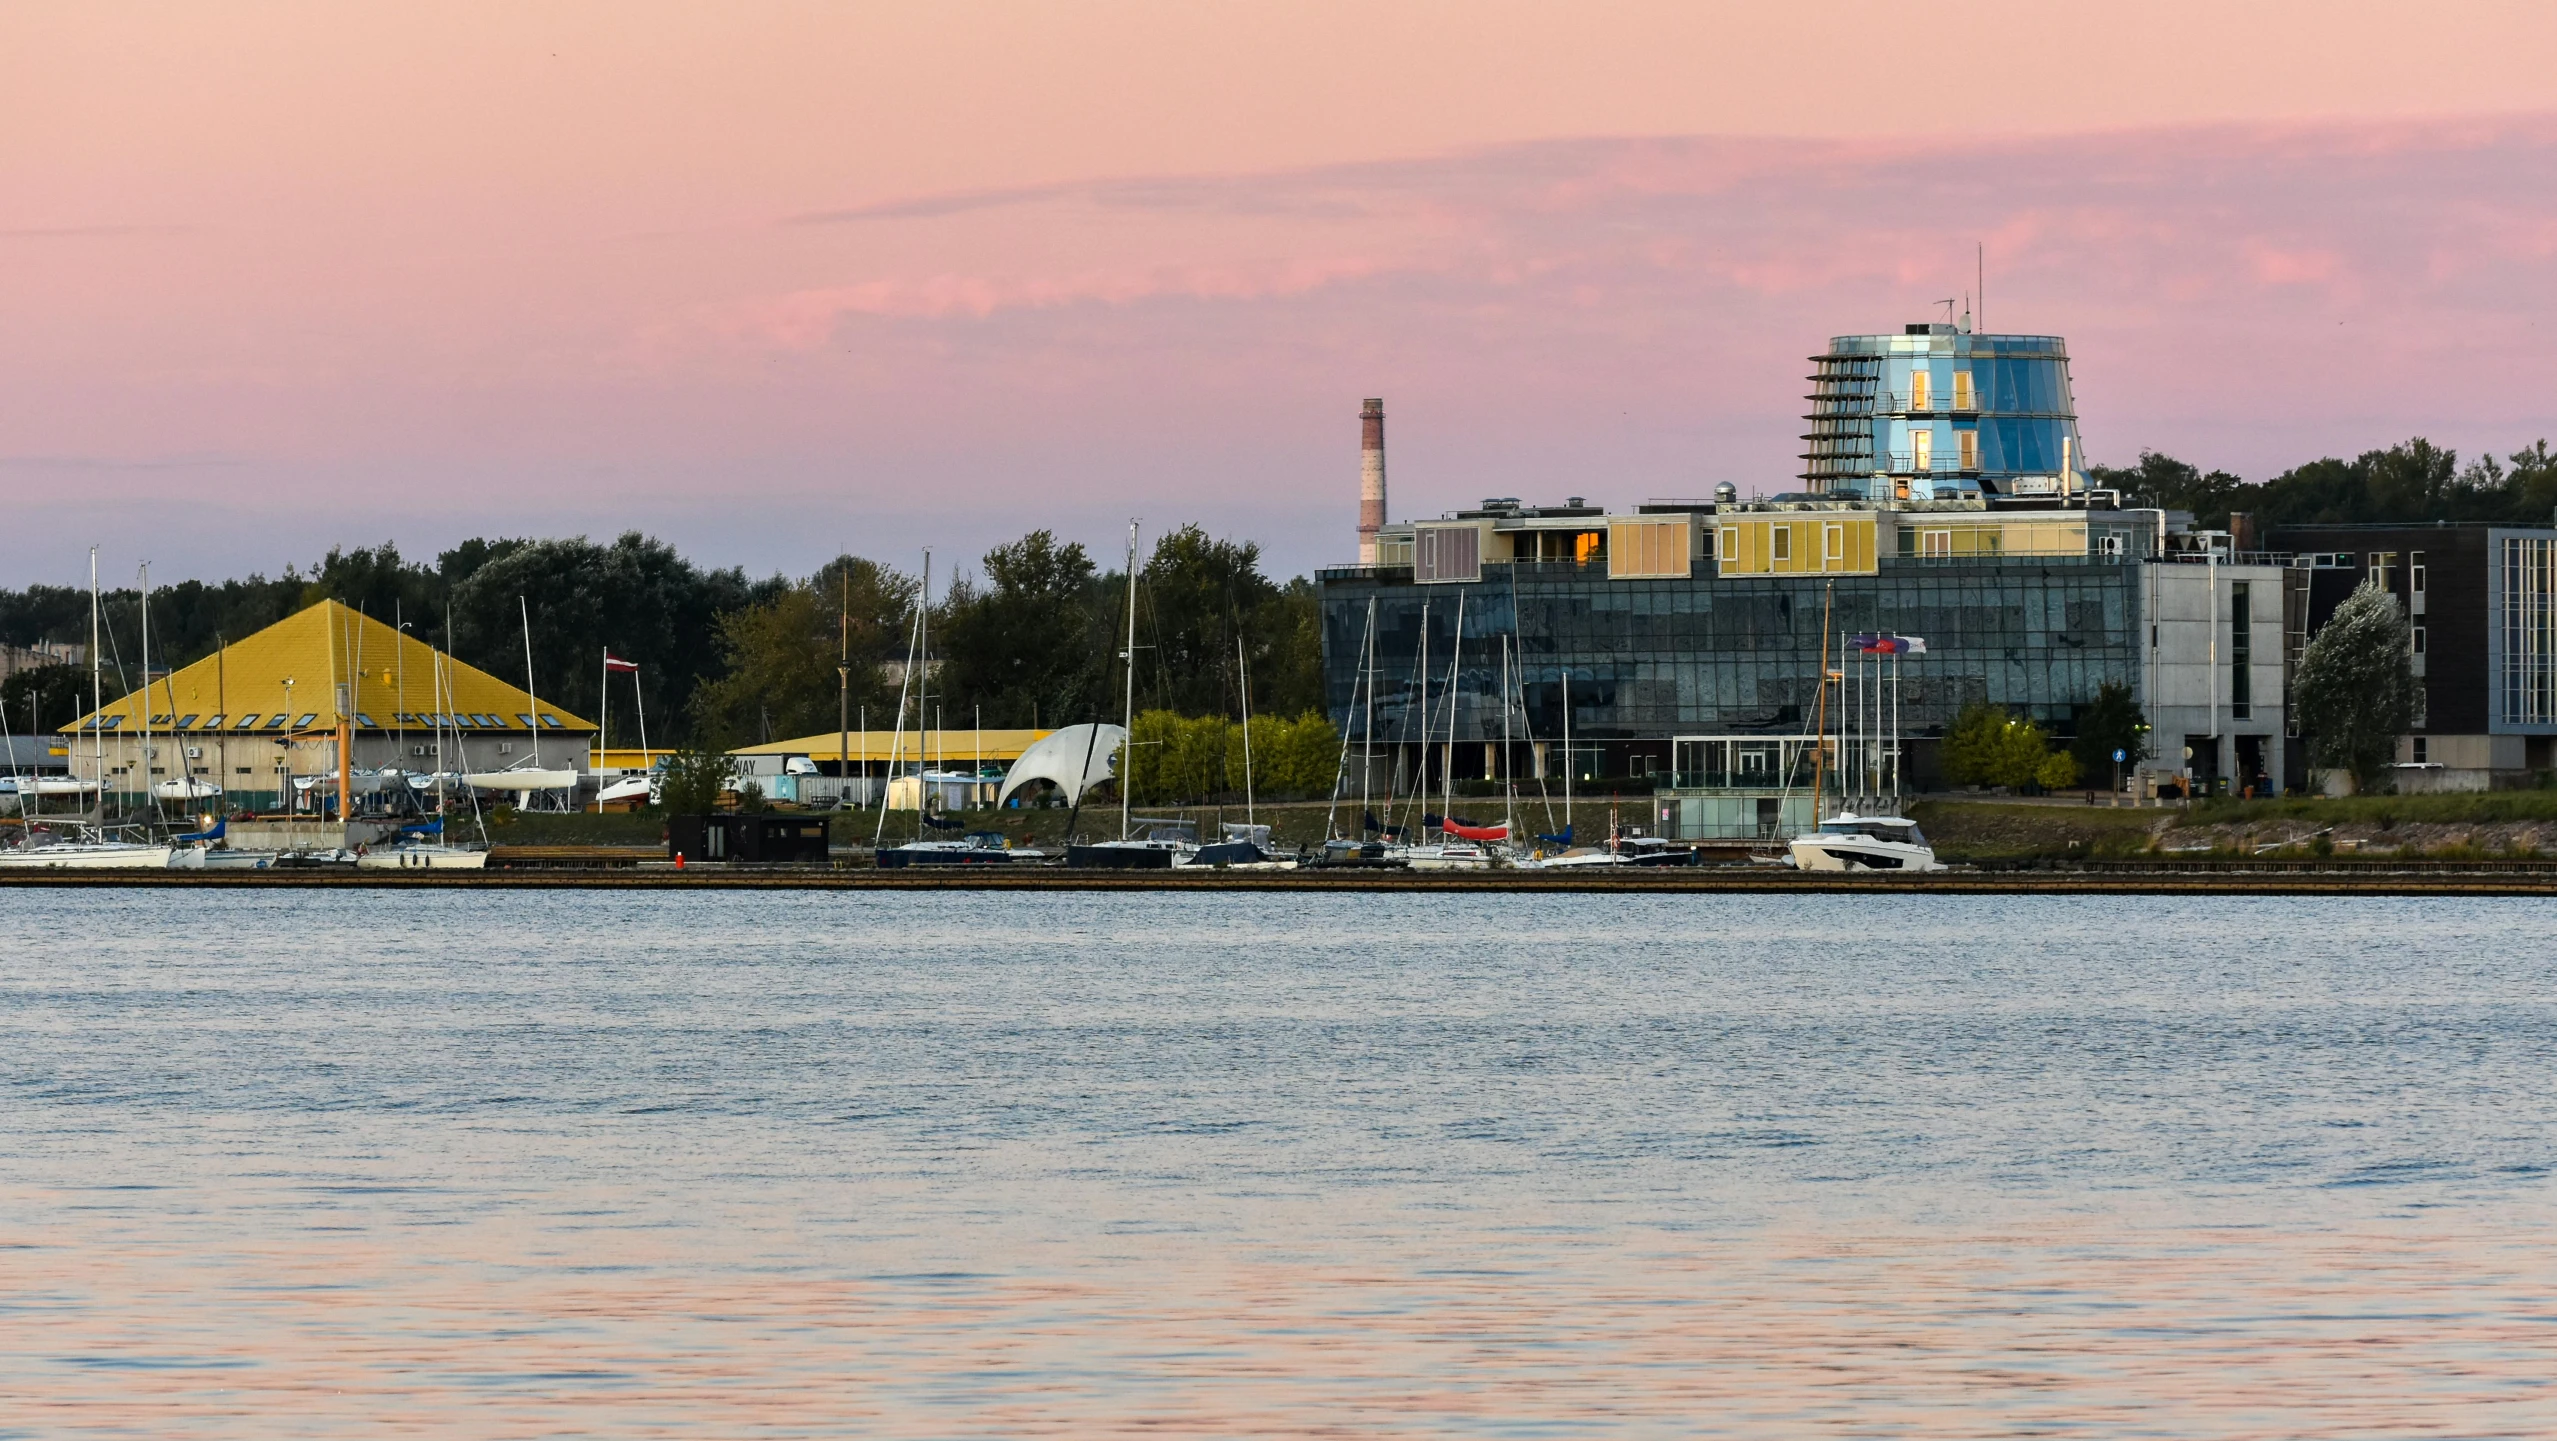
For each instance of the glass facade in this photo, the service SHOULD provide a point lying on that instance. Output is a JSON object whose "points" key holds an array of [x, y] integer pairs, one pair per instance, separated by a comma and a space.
{"points": [[2523, 634], [1939, 413], [1716, 655]]}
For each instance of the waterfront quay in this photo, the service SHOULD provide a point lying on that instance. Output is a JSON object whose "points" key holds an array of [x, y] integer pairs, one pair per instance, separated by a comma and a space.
{"points": [[2378, 877]]}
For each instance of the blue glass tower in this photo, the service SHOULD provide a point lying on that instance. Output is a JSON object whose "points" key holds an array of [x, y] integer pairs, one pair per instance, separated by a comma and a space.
{"points": [[1938, 413]]}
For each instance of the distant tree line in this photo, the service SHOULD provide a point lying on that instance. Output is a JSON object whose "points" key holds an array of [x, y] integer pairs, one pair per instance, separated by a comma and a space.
{"points": [[2415, 481], [1034, 637]]}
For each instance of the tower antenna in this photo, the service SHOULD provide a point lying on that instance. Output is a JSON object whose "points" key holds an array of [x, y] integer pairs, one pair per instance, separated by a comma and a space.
{"points": [[1980, 286]]}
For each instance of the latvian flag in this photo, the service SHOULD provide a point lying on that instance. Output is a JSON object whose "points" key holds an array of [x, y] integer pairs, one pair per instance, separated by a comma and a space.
{"points": [[612, 663]]}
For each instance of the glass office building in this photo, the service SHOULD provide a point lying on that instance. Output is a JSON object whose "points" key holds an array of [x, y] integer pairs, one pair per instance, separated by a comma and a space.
{"points": [[1729, 647], [1937, 412]]}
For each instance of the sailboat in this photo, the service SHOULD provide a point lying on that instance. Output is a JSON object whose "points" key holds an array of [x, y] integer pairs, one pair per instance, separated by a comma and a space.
{"points": [[38, 848], [1161, 842], [1461, 845], [1245, 846]]}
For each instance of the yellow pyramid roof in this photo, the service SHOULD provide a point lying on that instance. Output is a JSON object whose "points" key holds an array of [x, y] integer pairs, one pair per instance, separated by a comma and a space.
{"points": [[328, 644]]}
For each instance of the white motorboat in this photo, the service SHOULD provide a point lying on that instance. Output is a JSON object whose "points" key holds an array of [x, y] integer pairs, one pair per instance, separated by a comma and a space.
{"points": [[1850, 842]]}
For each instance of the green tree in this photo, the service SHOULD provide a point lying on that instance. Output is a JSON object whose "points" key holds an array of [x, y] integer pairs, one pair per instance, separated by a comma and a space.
{"points": [[60, 694], [1987, 746], [2057, 772], [782, 674], [1024, 646], [2109, 723], [637, 596], [2355, 691], [1195, 596], [2162, 480]]}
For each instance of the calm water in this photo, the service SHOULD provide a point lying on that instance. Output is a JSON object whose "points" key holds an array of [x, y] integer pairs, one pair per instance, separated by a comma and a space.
{"points": [[594, 1163]]}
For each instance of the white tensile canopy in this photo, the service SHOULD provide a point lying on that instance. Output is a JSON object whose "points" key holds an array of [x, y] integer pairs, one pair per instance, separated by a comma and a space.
{"points": [[1074, 759]]}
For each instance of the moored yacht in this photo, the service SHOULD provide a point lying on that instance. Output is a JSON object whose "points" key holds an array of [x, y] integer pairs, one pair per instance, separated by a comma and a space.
{"points": [[1850, 842]]}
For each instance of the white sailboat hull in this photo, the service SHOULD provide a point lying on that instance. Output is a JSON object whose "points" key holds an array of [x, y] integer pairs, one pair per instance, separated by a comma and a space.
{"points": [[184, 790], [89, 856], [221, 858], [423, 858], [522, 780], [1455, 857]]}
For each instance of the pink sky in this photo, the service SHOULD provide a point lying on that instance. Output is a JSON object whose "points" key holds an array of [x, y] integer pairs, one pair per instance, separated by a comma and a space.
{"points": [[775, 280]]}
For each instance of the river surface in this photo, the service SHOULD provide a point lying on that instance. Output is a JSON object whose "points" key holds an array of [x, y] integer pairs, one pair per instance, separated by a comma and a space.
{"points": [[588, 1163]]}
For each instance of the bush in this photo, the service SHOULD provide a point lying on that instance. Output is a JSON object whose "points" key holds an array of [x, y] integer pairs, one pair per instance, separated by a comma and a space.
{"points": [[1187, 758], [694, 779], [2058, 771]]}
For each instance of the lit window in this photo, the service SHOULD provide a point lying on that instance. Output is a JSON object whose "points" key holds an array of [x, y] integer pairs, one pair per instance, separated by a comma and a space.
{"points": [[1962, 395], [1919, 385], [1970, 440], [1922, 449]]}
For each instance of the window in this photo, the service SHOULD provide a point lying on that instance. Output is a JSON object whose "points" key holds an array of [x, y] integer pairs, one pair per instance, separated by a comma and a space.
{"points": [[2418, 633], [241, 770], [365, 721], [185, 720], [276, 721], [1727, 547], [1920, 382], [1970, 442], [2422, 751], [247, 722], [2241, 650], [1833, 542], [2382, 562], [525, 720], [2415, 572], [213, 723], [1780, 542], [1922, 449], [1935, 543], [1963, 399], [305, 722]]}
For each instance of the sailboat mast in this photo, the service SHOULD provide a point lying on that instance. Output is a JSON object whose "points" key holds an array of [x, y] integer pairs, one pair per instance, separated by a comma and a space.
{"points": [[150, 797], [1243, 673], [535, 719], [922, 688], [1567, 762], [1508, 769], [1367, 742], [1820, 712], [97, 695], [1447, 761], [1127, 746]]}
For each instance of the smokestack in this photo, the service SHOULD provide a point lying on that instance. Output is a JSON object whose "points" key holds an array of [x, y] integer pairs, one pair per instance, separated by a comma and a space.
{"points": [[1371, 478]]}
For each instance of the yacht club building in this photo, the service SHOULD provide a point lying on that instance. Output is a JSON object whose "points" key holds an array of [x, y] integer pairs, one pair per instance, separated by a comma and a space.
{"points": [[269, 707]]}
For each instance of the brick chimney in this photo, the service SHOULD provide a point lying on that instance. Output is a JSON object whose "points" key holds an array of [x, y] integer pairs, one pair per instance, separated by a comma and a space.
{"points": [[1371, 478]]}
